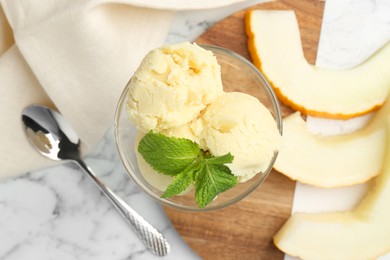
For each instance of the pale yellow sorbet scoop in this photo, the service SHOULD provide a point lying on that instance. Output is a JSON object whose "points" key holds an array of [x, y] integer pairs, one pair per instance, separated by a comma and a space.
{"points": [[172, 85], [238, 123]]}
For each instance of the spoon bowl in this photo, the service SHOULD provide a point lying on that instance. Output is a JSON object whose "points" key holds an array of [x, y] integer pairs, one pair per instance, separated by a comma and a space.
{"points": [[51, 135]]}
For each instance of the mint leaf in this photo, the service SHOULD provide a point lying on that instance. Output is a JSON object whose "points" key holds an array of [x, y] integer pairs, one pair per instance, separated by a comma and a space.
{"points": [[181, 181], [227, 158], [168, 155], [183, 159], [212, 180]]}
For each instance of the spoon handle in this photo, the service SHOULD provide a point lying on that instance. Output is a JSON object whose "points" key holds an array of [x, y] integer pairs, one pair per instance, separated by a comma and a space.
{"points": [[152, 238]]}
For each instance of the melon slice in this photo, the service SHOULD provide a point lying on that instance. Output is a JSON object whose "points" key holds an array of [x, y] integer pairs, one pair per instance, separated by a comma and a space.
{"points": [[362, 233], [275, 46], [332, 161]]}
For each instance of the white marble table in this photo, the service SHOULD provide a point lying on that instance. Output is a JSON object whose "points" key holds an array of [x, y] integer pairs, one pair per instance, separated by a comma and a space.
{"points": [[57, 213]]}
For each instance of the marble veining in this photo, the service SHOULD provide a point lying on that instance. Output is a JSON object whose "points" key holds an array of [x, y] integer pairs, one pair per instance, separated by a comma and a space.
{"points": [[58, 213], [352, 31]]}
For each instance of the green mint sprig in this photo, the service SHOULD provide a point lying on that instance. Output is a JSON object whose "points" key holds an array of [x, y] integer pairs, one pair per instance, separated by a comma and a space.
{"points": [[187, 163]]}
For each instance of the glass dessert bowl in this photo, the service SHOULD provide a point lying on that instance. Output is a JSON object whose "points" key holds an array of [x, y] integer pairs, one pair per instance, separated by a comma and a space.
{"points": [[238, 75]]}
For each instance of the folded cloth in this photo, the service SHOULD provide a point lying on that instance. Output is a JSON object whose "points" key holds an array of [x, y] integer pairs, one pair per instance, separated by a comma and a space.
{"points": [[183, 4], [73, 55], [6, 39]]}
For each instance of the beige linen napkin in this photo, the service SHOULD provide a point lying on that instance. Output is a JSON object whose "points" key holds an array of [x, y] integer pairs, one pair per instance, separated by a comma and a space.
{"points": [[6, 38], [76, 55], [184, 4]]}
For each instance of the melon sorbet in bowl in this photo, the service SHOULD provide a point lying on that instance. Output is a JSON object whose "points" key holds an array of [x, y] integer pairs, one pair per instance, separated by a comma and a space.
{"points": [[172, 85], [211, 97]]}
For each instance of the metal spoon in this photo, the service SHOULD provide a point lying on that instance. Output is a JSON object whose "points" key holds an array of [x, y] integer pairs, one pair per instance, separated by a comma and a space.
{"points": [[53, 137]]}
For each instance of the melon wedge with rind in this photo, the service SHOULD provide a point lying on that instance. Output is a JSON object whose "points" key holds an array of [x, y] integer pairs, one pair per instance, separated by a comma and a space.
{"points": [[332, 161], [275, 46], [362, 233]]}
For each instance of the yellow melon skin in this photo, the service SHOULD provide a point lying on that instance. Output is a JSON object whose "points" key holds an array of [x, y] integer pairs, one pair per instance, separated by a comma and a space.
{"points": [[275, 46], [332, 161], [362, 233]]}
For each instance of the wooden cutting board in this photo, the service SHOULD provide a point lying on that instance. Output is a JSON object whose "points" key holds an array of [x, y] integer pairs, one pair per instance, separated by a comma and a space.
{"points": [[245, 230]]}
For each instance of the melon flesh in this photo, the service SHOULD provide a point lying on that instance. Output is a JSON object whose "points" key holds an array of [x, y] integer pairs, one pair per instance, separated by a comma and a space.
{"points": [[275, 46], [332, 161], [362, 233]]}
